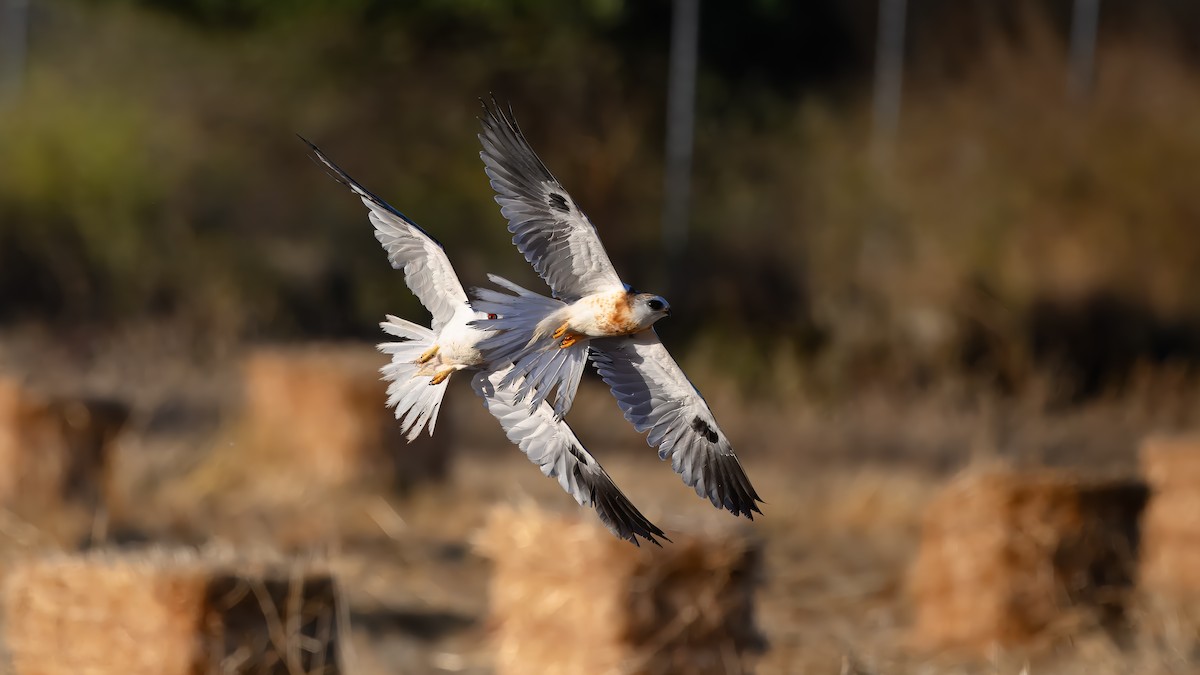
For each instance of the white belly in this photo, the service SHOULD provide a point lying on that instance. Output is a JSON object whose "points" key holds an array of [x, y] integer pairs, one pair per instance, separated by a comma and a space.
{"points": [[458, 343]]}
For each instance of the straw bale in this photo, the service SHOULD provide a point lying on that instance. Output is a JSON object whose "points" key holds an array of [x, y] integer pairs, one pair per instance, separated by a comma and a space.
{"points": [[165, 614], [1171, 461], [1171, 567], [55, 451], [319, 413], [1173, 514], [1170, 560], [16, 415], [1005, 555], [567, 597]]}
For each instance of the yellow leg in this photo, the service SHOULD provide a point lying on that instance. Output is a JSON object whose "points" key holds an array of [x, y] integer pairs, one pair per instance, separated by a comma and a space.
{"points": [[568, 341], [441, 376], [559, 333], [427, 355]]}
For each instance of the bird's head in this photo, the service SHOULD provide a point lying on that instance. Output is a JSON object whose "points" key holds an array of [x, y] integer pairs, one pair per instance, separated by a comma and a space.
{"points": [[648, 308]]}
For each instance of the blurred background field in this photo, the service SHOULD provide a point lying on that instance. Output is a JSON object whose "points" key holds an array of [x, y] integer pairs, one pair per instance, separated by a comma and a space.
{"points": [[1005, 277]]}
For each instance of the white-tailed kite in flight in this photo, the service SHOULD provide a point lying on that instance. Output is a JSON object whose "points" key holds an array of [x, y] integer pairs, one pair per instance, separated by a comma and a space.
{"points": [[425, 359], [547, 340]]}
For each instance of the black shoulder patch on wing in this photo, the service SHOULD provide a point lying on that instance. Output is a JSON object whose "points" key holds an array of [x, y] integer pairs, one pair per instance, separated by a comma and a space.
{"points": [[559, 202], [701, 427], [577, 454]]}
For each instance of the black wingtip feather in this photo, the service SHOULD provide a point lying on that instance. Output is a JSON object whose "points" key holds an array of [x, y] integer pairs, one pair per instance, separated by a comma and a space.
{"points": [[332, 170], [740, 498], [337, 173], [620, 516], [506, 134]]}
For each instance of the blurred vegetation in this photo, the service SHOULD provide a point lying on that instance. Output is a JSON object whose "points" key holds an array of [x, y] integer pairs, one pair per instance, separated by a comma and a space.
{"points": [[151, 171]]}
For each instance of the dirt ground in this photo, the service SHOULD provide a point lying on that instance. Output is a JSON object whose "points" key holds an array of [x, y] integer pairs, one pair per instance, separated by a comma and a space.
{"points": [[844, 491]]}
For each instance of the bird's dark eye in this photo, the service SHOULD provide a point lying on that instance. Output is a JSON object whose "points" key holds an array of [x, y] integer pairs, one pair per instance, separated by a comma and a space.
{"points": [[655, 305]]}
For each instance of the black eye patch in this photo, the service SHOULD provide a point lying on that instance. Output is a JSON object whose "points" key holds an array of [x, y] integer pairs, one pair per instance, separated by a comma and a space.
{"points": [[655, 305]]}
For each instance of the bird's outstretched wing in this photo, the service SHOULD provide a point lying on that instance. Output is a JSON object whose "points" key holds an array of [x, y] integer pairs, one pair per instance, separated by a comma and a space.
{"points": [[551, 444], [547, 226], [427, 270], [656, 396]]}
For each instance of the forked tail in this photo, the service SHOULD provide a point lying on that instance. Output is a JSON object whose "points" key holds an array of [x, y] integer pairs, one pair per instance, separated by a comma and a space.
{"points": [[525, 336], [415, 400]]}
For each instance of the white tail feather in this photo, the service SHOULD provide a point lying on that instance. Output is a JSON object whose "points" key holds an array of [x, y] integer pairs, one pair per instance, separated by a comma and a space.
{"points": [[546, 370], [522, 338], [415, 400]]}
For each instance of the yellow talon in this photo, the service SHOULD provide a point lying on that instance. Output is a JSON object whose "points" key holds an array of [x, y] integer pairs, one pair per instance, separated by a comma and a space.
{"points": [[559, 333], [441, 376], [568, 341], [427, 355]]}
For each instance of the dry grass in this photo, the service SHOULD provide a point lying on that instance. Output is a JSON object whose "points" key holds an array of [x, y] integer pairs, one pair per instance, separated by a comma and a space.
{"points": [[56, 458], [316, 413], [1012, 557], [566, 597], [1170, 562], [1171, 461], [69, 616], [165, 612], [836, 545], [310, 455], [846, 490]]}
